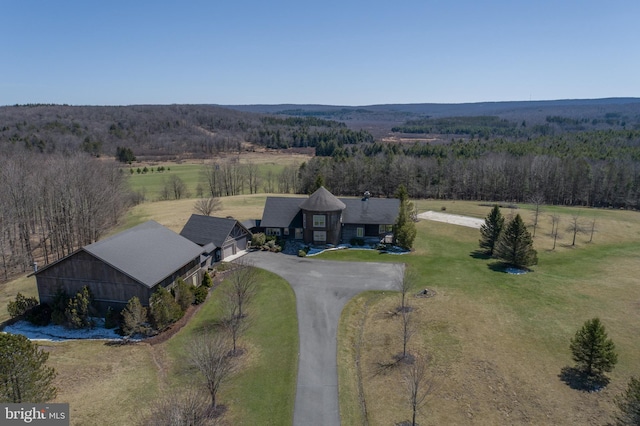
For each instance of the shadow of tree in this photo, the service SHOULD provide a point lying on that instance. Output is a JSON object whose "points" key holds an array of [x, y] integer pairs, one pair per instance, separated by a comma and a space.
{"points": [[479, 254], [498, 267], [580, 380]]}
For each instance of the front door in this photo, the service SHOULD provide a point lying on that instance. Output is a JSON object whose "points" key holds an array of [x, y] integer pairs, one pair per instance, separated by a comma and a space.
{"points": [[298, 233]]}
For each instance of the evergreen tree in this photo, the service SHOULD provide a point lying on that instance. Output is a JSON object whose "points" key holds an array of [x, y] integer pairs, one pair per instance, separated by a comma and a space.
{"points": [[24, 377], [163, 308], [134, 318], [183, 294], [206, 279], [515, 245], [78, 310], [592, 351], [491, 229], [629, 404], [404, 230]]}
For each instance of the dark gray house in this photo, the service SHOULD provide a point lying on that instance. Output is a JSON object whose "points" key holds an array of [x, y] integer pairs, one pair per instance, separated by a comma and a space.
{"points": [[135, 262], [220, 237], [323, 218]]}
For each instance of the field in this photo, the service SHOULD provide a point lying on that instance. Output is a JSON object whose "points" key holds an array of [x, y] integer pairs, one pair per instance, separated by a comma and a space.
{"points": [[497, 342], [192, 172]]}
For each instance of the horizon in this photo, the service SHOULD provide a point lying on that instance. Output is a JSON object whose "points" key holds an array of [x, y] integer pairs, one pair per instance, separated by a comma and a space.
{"points": [[353, 54]]}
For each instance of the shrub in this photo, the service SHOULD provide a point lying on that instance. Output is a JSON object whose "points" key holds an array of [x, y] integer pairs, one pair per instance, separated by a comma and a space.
{"points": [[39, 315], [110, 318], [21, 305], [164, 309], [302, 253], [206, 280], [357, 242], [258, 240], [58, 306], [77, 313], [200, 294], [183, 294], [134, 318]]}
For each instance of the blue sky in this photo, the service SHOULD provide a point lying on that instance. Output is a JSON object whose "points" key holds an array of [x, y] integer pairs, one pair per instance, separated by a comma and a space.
{"points": [[331, 52]]}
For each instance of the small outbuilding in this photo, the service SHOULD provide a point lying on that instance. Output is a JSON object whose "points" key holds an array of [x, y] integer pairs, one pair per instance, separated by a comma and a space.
{"points": [[135, 262]]}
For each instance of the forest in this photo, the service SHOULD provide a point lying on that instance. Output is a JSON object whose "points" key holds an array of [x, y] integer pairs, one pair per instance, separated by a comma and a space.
{"points": [[62, 189]]}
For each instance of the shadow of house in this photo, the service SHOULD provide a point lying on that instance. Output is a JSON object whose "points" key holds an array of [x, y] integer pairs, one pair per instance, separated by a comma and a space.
{"points": [[135, 262], [220, 238], [323, 218]]}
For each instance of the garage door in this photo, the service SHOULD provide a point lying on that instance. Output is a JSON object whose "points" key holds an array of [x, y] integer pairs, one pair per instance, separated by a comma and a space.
{"points": [[227, 251], [242, 243]]}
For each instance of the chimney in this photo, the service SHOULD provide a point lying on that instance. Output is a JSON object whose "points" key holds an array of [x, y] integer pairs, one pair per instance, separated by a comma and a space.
{"points": [[35, 267]]}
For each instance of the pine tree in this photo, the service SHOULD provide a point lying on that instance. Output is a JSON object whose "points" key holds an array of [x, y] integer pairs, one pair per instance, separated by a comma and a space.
{"points": [[515, 245], [24, 377], [404, 230], [629, 404], [592, 351], [134, 318], [490, 230]]}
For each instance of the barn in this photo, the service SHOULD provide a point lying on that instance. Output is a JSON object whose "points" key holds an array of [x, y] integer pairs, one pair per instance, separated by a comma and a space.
{"points": [[135, 262], [220, 237]]}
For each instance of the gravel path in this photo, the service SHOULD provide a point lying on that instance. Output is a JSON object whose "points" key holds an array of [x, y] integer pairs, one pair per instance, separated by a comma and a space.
{"points": [[454, 219]]}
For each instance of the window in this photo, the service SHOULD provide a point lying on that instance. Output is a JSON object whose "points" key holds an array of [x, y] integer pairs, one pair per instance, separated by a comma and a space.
{"points": [[286, 231], [384, 228], [319, 221], [320, 236], [273, 231], [359, 232]]}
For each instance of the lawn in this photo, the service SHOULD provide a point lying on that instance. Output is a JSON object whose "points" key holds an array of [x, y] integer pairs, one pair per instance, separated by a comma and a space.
{"points": [[263, 390], [497, 342]]}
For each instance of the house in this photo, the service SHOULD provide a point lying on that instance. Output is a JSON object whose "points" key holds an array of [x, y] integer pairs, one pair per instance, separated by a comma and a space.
{"points": [[135, 262], [323, 218], [219, 237]]}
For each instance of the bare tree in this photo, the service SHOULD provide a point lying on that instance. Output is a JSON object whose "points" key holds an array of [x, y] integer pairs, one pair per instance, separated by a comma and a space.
{"points": [[537, 200], [180, 409], [243, 286], [235, 324], [419, 384], [575, 227], [408, 328], [209, 354], [593, 229], [404, 285], [555, 221], [253, 178], [207, 206]]}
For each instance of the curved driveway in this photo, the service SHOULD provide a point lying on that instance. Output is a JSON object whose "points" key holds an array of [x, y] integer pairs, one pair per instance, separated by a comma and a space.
{"points": [[322, 288]]}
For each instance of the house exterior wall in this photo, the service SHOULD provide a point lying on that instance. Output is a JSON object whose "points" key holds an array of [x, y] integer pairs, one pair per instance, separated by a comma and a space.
{"points": [[332, 226], [350, 231]]}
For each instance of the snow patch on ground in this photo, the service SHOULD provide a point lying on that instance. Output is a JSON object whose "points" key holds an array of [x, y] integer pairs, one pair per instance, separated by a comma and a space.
{"points": [[453, 219], [58, 333]]}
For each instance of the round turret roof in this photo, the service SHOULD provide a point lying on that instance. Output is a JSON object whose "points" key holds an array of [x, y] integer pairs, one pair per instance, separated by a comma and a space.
{"points": [[322, 201]]}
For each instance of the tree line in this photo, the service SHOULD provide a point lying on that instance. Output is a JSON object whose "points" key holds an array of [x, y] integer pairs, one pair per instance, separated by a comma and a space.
{"points": [[52, 205], [500, 176]]}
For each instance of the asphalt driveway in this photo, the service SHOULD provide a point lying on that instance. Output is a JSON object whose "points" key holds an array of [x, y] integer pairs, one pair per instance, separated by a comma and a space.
{"points": [[322, 288]]}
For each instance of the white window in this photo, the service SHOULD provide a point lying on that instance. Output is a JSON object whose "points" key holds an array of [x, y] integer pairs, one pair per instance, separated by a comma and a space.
{"points": [[320, 236], [286, 231], [273, 231], [319, 221], [359, 232]]}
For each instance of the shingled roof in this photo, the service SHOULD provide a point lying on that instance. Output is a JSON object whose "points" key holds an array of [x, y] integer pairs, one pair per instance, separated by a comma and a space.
{"points": [[147, 253], [322, 201], [280, 212], [208, 229], [370, 211]]}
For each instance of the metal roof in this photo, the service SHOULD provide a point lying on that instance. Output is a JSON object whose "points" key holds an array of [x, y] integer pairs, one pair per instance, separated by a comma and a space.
{"points": [[147, 253], [322, 201]]}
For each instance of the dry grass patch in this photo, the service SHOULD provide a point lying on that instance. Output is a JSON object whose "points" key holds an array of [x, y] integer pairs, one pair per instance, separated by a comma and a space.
{"points": [[9, 290], [104, 385]]}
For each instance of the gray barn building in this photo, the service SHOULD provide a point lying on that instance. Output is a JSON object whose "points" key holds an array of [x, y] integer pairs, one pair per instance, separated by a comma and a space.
{"points": [[135, 262]]}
